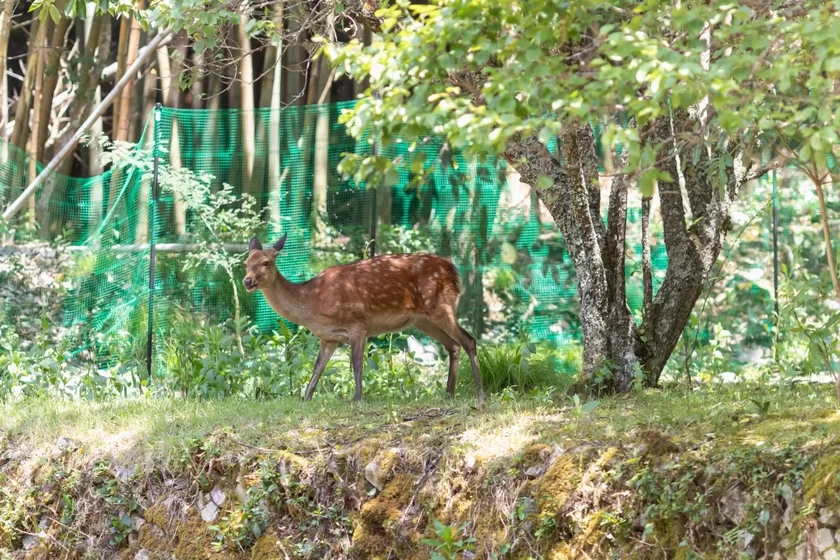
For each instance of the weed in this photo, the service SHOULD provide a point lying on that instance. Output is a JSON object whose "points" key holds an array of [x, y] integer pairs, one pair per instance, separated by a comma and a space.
{"points": [[522, 367], [448, 541]]}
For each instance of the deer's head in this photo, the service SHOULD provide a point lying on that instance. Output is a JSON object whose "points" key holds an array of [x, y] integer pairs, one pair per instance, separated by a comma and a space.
{"points": [[260, 265]]}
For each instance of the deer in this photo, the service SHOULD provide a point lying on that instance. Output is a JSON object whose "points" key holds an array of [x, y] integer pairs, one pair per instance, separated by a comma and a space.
{"points": [[351, 302]]}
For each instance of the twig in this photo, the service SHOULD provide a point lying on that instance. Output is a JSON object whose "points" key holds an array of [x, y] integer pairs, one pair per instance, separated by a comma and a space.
{"points": [[419, 486]]}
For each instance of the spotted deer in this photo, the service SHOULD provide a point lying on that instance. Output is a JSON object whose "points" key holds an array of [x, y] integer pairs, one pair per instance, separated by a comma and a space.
{"points": [[349, 303]]}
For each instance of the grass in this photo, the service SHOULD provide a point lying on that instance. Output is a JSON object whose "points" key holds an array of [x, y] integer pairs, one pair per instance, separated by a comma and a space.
{"points": [[151, 430], [509, 475]]}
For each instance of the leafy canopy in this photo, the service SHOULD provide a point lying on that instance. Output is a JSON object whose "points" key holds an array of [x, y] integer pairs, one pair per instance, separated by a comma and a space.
{"points": [[477, 72]]}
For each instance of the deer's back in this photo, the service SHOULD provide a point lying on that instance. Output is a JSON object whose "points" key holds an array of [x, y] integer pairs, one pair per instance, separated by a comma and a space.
{"points": [[388, 284]]}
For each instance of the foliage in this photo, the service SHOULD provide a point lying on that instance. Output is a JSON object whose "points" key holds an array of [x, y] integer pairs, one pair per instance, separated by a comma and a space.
{"points": [[641, 58], [523, 367], [700, 84], [217, 217], [733, 331], [448, 542], [809, 318]]}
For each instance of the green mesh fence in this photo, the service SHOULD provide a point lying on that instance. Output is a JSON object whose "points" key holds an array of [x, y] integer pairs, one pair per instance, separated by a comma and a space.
{"points": [[516, 272]]}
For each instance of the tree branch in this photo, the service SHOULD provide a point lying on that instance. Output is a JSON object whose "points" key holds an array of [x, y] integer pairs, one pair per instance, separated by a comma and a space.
{"points": [[588, 158], [670, 194], [614, 260]]}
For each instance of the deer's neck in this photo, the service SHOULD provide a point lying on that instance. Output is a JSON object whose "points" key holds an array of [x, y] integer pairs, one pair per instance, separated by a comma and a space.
{"points": [[287, 299]]}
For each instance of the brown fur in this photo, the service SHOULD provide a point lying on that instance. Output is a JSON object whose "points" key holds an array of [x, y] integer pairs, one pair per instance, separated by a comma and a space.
{"points": [[349, 303]]}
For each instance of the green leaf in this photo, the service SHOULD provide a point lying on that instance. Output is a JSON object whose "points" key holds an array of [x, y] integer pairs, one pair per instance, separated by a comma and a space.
{"points": [[820, 159], [544, 182], [590, 406], [392, 178], [417, 162], [545, 136], [833, 321], [805, 154], [508, 253], [647, 183], [55, 14]]}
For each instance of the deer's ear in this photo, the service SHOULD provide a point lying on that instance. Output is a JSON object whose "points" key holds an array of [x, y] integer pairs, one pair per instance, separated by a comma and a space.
{"points": [[280, 244], [254, 245]]}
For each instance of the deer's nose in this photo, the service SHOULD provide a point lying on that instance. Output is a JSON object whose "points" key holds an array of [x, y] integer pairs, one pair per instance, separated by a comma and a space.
{"points": [[248, 281]]}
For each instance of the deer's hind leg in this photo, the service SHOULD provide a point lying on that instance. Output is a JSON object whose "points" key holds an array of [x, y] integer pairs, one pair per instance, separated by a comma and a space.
{"points": [[452, 346], [357, 356], [446, 319]]}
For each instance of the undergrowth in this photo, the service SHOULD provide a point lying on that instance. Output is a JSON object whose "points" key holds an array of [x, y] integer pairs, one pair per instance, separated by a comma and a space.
{"points": [[652, 475]]}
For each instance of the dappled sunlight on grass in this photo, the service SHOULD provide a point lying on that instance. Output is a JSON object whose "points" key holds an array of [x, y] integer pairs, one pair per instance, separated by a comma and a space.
{"points": [[810, 431], [151, 430]]}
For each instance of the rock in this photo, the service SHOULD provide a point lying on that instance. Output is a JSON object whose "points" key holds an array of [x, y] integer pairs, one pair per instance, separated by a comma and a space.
{"points": [[831, 554], [124, 474], [241, 493], [371, 470], [142, 554], [787, 493], [217, 496], [732, 505], [210, 512], [29, 541], [66, 444], [534, 472], [469, 461], [829, 518], [137, 522], [825, 539], [801, 552]]}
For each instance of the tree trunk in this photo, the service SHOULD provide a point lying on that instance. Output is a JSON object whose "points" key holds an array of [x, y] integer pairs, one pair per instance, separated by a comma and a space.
{"points": [[691, 251], [615, 352], [122, 109], [214, 101], [149, 99], [829, 250], [295, 61], [35, 141], [98, 129], [5, 30], [51, 68], [50, 80], [20, 133], [95, 56], [320, 172], [137, 118], [246, 85], [170, 97], [124, 115], [271, 95], [122, 56]]}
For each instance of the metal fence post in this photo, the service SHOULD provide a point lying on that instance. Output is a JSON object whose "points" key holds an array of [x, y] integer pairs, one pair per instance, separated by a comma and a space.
{"points": [[776, 247], [153, 203]]}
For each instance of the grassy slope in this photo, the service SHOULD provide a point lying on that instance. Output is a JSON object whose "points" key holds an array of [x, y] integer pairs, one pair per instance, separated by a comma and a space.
{"points": [[535, 475]]}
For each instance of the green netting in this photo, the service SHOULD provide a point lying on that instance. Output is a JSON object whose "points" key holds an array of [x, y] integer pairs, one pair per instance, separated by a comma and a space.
{"points": [[466, 210]]}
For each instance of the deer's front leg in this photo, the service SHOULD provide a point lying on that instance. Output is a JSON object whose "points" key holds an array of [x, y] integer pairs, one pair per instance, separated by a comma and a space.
{"points": [[324, 355], [357, 353]]}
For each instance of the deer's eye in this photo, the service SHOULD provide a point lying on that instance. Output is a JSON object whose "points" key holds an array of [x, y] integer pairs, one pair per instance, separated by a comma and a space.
{"points": [[265, 263]]}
